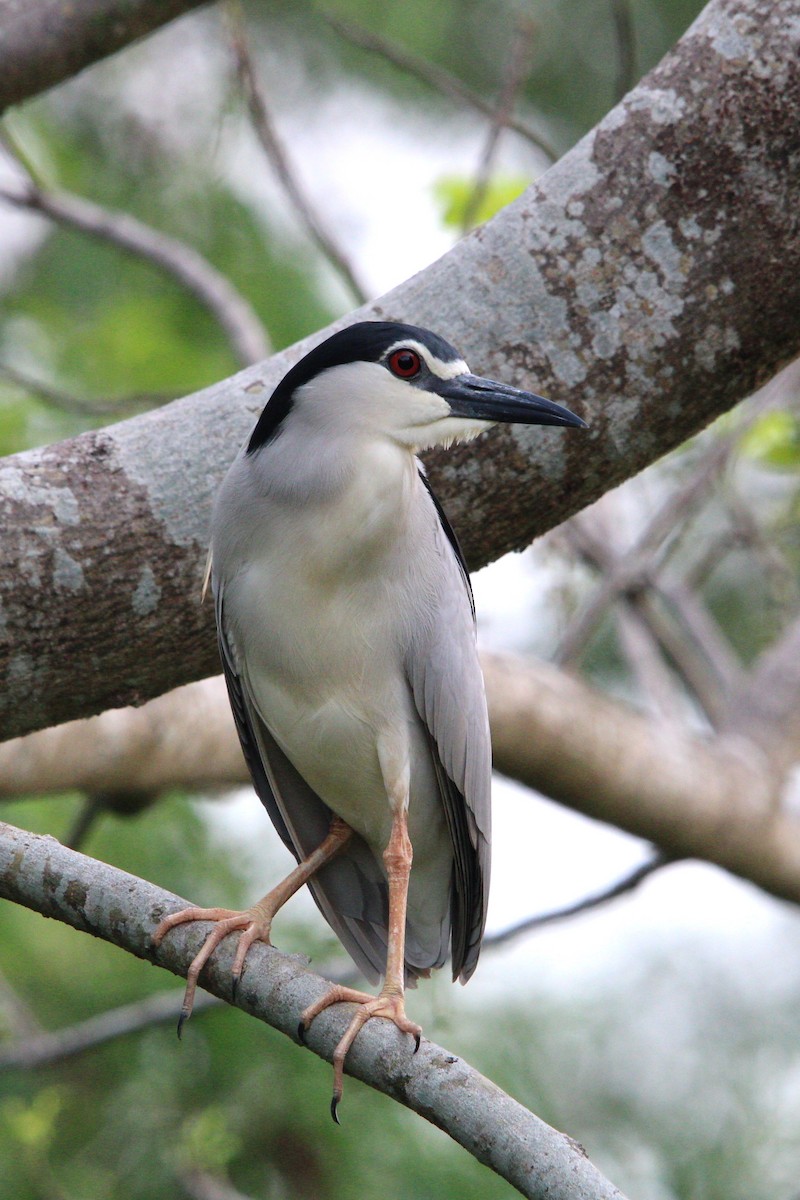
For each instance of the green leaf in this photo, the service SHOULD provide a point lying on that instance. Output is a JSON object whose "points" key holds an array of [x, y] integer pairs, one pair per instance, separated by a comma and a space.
{"points": [[32, 1123], [455, 194], [774, 440]]}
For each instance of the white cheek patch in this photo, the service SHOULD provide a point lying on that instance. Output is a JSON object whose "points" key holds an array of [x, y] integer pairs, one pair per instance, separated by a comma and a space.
{"points": [[446, 370], [427, 407], [446, 431]]}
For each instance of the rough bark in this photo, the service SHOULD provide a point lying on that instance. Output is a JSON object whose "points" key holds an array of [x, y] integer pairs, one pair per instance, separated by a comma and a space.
{"points": [[540, 1162], [650, 280], [43, 42]]}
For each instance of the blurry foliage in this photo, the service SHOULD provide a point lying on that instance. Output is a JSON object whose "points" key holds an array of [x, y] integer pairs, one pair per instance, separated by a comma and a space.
{"points": [[774, 440], [672, 1109], [455, 193]]}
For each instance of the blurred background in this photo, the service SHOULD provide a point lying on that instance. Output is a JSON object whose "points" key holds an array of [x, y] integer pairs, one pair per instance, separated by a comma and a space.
{"points": [[315, 155]]}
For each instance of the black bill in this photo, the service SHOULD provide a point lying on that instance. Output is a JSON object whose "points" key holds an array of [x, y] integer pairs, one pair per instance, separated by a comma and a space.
{"points": [[487, 400]]}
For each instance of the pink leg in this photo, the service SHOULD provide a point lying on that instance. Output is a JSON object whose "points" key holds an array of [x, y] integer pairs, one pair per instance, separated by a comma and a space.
{"points": [[255, 922], [391, 1001]]}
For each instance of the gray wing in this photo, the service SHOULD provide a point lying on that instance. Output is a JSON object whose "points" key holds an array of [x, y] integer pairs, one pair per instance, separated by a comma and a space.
{"points": [[447, 684], [351, 890]]}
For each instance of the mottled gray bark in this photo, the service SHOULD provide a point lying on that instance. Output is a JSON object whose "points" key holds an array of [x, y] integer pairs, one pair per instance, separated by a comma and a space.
{"points": [[43, 42], [540, 1162], [650, 280]]}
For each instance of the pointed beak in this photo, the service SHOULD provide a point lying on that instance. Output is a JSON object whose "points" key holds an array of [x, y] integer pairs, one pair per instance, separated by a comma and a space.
{"points": [[486, 400]]}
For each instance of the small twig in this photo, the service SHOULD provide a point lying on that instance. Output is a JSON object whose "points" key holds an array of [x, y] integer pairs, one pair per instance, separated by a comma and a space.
{"points": [[702, 631], [518, 71], [210, 287], [626, 48], [663, 531], [16, 1016], [271, 144], [620, 888], [45, 1048], [642, 652], [690, 657], [708, 670], [747, 532], [68, 402], [435, 77], [88, 813]]}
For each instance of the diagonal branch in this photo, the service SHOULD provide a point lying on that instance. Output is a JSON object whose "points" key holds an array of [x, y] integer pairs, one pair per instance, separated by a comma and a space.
{"points": [[675, 619], [97, 406], [717, 800], [273, 148], [41, 1048], [527, 925], [237, 318], [46, 41], [540, 1162], [591, 283], [625, 36], [515, 76], [434, 77]]}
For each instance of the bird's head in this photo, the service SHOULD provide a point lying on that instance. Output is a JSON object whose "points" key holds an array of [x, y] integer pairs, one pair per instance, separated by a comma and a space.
{"points": [[382, 378]]}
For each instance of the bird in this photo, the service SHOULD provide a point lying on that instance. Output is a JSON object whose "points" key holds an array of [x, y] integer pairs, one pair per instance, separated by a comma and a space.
{"points": [[346, 628]]}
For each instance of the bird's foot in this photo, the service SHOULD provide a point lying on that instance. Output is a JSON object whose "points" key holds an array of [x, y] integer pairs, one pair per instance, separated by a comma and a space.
{"points": [[254, 923], [390, 1005]]}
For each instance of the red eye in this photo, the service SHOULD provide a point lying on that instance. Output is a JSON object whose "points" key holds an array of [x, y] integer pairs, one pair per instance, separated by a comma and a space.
{"points": [[404, 363]]}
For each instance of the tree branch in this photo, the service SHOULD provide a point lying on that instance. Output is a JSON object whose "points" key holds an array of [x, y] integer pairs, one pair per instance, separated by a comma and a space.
{"points": [[43, 1049], [235, 315], [516, 74], [96, 406], [527, 925], [273, 148], [184, 738], [434, 77], [43, 42], [625, 36], [540, 1162], [717, 800], [617, 283]]}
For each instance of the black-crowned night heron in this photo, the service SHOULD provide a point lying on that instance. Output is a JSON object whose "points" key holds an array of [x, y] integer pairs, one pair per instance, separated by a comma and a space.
{"points": [[347, 634]]}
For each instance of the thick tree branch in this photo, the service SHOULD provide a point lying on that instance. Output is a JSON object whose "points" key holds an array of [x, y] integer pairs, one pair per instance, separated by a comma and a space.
{"points": [[540, 1162], [717, 800], [43, 42], [184, 738], [650, 280]]}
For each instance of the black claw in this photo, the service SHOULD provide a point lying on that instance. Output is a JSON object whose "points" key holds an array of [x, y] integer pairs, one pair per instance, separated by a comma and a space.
{"points": [[234, 987], [301, 1033], [417, 1040], [335, 1108], [182, 1019]]}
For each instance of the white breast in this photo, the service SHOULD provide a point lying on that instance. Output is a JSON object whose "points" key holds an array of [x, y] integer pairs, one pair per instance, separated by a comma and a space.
{"points": [[318, 599]]}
